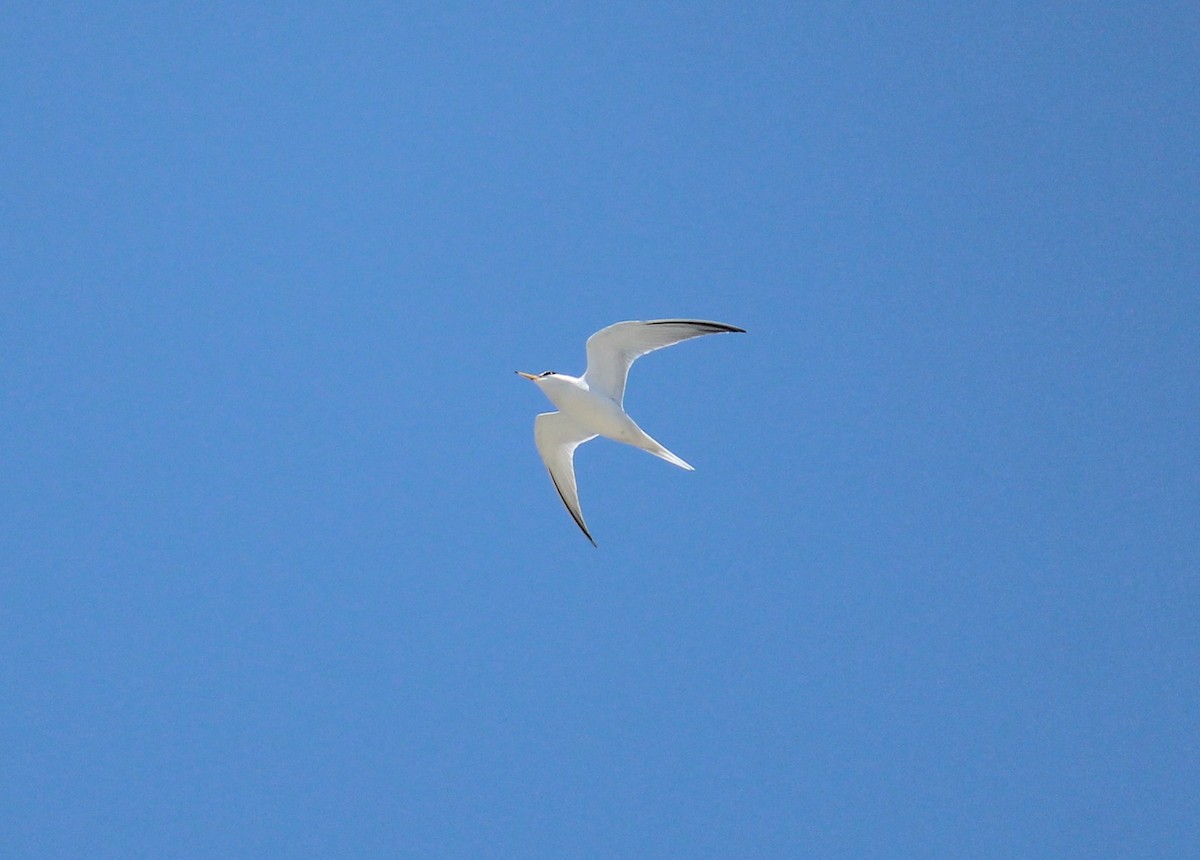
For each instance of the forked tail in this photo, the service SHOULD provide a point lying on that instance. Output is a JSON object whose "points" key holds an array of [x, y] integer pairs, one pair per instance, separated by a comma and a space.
{"points": [[659, 451]]}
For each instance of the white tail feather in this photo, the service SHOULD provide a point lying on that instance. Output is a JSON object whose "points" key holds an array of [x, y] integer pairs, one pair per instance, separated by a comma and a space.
{"points": [[662, 452]]}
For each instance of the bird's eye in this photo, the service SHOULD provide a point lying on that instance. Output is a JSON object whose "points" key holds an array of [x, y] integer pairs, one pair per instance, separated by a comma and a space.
{"points": [[548, 373]]}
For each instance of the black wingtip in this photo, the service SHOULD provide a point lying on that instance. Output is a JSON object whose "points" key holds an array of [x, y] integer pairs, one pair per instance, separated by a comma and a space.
{"points": [[712, 327], [578, 520]]}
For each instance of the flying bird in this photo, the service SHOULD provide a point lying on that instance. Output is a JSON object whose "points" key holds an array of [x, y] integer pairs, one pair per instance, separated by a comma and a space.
{"points": [[591, 405]]}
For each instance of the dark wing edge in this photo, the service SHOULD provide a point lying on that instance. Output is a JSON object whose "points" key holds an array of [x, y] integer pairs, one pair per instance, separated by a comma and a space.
{"points": [[570, 510], [708, 326]]}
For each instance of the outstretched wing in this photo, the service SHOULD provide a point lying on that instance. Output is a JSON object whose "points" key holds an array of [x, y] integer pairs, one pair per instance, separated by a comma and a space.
{"points": [[557, 437], [612, 350]]}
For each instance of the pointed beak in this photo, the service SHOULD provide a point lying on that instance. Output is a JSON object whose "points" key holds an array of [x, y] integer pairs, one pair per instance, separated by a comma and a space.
{"points": [[526, 375]]}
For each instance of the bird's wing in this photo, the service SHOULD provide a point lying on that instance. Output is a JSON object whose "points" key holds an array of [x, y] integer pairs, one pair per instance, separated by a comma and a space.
{"points": [[612, 350], [557, 437]]}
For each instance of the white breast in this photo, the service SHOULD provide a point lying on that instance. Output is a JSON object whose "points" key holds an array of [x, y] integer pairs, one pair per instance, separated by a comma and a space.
{"points": [[590, 409]]}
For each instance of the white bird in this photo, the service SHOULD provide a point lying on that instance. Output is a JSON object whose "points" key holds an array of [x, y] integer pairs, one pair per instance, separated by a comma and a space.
{"points": [[591, 405]]}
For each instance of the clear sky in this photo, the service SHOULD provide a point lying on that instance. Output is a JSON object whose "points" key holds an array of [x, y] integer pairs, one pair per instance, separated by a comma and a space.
{"points": [[281, 573]]}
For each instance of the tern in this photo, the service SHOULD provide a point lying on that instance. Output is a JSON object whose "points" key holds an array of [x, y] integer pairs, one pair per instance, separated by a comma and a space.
{"points": [[592, 405]]}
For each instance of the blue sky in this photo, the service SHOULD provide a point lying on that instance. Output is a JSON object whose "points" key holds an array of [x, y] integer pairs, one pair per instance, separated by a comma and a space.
{"points": [[284, 576]]}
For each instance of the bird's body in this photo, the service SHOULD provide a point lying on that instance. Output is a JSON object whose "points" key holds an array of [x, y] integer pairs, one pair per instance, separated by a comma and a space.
{"points": [[598, 413], [591, 405]]}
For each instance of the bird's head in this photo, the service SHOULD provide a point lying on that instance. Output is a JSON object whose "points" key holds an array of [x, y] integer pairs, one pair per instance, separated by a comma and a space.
{"points": [[535, 377]]}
